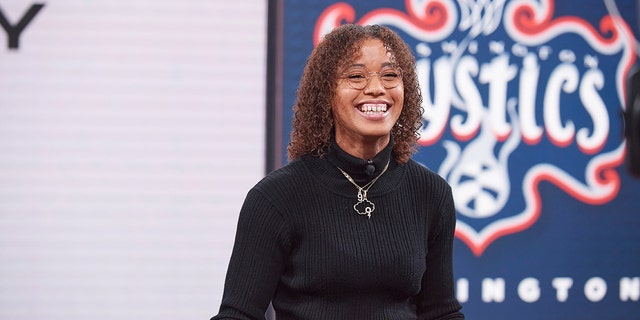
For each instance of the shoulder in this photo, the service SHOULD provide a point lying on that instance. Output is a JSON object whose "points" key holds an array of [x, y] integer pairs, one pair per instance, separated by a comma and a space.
{"points": [[433, 187], [418, 171], [269, 196], [283, 181]]}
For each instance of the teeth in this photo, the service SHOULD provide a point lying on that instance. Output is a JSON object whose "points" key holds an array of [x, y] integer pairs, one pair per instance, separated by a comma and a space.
{"points": [[373, 108]]}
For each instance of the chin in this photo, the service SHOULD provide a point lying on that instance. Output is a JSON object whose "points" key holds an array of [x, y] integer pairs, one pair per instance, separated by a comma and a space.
{"points": [[377, 133]]}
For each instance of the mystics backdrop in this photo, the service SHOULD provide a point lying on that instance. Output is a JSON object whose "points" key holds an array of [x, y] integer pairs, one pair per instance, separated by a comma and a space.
{"points": [[130, 132], [523, 104]]}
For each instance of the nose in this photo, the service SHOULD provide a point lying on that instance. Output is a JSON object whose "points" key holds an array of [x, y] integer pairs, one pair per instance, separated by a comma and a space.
{"points": [[374, 87]]}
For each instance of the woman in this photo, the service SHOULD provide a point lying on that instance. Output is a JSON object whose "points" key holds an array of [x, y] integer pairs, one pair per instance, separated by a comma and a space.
{"points": [[351, 228]]}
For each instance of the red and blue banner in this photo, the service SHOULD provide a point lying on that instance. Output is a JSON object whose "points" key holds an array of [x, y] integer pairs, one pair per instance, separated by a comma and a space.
{"points": [[524, 103]]}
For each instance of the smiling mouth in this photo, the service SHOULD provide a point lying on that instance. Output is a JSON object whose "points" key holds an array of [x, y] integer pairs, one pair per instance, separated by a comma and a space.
{"points": [[370, 108]]}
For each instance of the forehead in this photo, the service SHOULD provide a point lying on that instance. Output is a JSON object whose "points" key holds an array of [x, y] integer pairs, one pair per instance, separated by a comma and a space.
{"points": [[370, 52]]}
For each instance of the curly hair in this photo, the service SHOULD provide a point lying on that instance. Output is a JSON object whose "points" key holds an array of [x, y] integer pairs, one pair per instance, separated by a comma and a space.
{"points": [[312, 116]]}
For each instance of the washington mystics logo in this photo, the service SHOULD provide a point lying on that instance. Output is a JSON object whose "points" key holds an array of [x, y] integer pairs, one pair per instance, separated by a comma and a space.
{"points": [[514, 96]]}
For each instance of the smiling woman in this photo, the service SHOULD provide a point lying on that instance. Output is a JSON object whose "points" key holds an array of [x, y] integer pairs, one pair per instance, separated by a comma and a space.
{"points": [[363, 118], [322, 80], [352, 227]]}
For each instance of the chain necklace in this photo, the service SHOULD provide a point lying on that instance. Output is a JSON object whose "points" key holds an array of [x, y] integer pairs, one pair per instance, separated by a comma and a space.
{"points": [[366, 204]]}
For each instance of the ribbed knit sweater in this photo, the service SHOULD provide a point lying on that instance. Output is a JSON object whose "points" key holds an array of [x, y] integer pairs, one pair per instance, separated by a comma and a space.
{"points": [[301, 245]]}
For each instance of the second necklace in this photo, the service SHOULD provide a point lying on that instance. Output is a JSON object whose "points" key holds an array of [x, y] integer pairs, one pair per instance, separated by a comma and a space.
{"points": [[364, 206]]}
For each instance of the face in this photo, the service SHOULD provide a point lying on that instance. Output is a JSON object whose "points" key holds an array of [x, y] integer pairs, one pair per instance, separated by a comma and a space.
{"points": [[367, 115]]}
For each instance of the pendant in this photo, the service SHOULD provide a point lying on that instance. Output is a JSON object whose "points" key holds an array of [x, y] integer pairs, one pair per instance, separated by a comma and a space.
{"points": [[364, 206]]}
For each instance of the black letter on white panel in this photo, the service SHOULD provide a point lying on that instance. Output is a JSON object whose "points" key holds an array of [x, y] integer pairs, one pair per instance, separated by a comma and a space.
{"points": [[14, 31]]}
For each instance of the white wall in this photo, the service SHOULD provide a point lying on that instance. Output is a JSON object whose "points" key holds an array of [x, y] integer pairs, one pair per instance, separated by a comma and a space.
{"points": [[130, 132]]}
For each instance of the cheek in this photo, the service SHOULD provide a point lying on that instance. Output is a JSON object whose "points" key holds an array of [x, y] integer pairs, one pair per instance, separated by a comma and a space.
{"points": [[344, 99], [339, 106], [399, 101]]}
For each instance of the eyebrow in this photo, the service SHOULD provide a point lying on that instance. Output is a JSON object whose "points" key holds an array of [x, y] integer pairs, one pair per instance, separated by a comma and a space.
{"points": [[385, 64]]}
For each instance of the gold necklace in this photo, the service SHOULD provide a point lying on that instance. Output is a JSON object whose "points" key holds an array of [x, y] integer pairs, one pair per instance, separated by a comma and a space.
{"points": [[362, 193]]}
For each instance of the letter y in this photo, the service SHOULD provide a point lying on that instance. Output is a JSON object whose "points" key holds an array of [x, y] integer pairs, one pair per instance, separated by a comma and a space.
{"points": [[14, 31]]}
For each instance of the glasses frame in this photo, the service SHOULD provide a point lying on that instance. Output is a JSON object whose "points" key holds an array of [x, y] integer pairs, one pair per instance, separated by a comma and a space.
{"points": [[369, 74]]}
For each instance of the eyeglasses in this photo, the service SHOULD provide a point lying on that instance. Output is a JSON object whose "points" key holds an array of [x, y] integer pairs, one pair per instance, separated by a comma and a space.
{"points": [[358, 78]]}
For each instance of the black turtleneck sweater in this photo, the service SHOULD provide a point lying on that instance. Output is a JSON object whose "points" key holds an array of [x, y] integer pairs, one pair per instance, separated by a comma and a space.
{"points": [[301, 245]]}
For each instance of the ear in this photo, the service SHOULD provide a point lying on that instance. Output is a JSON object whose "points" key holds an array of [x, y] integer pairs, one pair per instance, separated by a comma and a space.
{"points": [[632, 124]]}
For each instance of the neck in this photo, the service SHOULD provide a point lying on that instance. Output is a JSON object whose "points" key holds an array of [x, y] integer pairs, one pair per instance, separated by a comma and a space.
{"points": [[363, 148]]}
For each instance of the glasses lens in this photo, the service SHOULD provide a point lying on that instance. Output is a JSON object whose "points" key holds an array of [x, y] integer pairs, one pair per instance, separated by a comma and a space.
{"points": [[390, 77], [358, 78]]}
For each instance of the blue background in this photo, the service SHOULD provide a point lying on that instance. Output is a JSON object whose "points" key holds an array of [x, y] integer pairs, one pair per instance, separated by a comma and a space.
{"points": [[569, 239]]}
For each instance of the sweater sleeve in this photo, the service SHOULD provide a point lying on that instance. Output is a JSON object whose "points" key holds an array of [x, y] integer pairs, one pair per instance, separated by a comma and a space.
{"points": [[436, 300], [257, 260]]}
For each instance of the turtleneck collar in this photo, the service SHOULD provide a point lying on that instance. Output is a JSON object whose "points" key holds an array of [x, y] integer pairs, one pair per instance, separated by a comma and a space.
{"points": [[357, 167]]}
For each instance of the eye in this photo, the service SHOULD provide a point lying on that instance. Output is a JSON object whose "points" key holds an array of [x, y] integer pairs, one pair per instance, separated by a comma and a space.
{"points": [[356, 75], [390, 74]]}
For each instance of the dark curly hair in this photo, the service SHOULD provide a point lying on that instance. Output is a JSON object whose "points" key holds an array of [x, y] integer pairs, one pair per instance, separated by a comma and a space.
{"points": [[312, 115]]}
